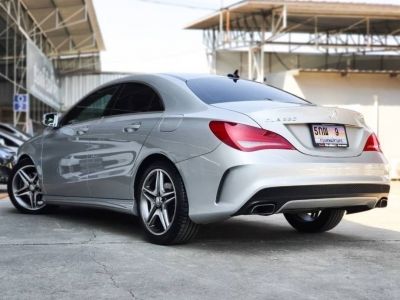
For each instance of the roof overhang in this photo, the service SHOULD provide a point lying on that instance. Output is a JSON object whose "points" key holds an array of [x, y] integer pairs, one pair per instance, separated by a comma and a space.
{"points": [[70, 25], [384, 18], [392, 73]]}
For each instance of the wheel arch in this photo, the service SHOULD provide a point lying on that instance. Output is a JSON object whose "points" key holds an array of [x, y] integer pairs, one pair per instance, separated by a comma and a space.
{"points": [[38, 166], [145, 163], [25, 156], [31, 206]]}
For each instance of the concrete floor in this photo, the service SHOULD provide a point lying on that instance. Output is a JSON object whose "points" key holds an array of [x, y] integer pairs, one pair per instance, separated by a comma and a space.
{"points": [[94, 254]]}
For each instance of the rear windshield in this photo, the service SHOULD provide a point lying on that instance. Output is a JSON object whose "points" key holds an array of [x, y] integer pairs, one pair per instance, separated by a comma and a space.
{"points": [[223, 89]]}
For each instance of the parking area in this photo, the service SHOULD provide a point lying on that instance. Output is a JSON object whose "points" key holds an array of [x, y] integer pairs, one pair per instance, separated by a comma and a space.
{"points": [[87, 254]]}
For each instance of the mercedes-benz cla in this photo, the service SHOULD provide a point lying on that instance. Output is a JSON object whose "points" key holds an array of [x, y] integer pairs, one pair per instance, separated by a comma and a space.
{"points": [[184, 150]]}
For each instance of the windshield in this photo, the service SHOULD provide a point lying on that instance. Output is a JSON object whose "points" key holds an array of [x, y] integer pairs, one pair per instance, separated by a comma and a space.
{"points": [[224, 89]]}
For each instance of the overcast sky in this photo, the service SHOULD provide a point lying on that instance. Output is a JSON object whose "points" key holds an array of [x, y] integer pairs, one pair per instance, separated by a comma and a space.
{"points": [[146, 36]]}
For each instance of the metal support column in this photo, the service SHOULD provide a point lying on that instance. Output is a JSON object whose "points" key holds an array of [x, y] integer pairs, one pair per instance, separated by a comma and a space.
{"points": [[256, 63]]}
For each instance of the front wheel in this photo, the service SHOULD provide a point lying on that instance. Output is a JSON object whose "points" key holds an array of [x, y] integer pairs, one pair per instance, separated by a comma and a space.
{"points": [[24, 188], [163, 205], [318, 221]]}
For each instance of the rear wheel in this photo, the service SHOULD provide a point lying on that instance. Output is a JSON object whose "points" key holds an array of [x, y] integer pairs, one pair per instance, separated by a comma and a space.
{"points": [[163, 206], [318, 221], [24, 188]]}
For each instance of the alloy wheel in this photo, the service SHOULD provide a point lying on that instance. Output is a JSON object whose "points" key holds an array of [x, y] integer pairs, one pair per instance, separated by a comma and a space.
{"points": [[158, 201], [26, 188]]}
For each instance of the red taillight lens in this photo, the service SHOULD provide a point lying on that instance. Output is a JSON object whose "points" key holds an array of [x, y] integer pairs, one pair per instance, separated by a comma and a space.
{"points": [[248, 138], [372, 144]]}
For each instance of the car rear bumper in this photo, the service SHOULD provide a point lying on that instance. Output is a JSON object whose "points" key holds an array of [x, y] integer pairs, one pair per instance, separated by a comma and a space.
{"points": [[226, 182], [353, 197]]}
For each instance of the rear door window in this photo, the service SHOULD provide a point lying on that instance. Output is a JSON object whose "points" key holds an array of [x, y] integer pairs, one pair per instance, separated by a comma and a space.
{"points": [[136, 98]]}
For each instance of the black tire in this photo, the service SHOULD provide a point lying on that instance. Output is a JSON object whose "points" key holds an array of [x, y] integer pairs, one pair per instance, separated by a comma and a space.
{"points": [[181, 228], [38, 210], [321, 221]]}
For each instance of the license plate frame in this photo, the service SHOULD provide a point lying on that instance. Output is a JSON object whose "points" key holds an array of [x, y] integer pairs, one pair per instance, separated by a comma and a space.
{"points": [[318, 143]]}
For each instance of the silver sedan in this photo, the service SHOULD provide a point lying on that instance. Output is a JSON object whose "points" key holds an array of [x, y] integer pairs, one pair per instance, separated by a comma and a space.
{"points": [[183, 150]]}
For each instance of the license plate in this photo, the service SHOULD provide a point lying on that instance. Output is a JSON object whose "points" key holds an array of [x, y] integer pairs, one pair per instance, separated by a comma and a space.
{"points": [[329, 135]]}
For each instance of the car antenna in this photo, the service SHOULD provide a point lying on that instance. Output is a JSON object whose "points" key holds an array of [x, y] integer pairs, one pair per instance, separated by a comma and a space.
{"points": [[235, 76]]}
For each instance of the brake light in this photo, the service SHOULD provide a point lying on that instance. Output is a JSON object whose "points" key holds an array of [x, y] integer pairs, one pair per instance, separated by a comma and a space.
{"points": [[372, 144], [248, 138]]}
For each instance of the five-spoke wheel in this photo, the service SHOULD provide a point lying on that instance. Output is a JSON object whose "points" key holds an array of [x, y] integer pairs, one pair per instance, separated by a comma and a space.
{"points": [[163, 205], [158, 201], [24, 188]]}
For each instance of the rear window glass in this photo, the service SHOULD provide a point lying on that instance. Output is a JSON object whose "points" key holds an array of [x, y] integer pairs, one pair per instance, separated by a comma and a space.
{"points": [[220, 89]]}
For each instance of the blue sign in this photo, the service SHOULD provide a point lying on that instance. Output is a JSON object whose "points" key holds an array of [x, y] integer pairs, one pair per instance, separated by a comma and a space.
{"points": [[21, 102]]}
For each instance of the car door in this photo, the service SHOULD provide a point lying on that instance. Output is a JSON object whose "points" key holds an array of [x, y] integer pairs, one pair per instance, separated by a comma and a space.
{"points": [[118, 139], [65, 149]]}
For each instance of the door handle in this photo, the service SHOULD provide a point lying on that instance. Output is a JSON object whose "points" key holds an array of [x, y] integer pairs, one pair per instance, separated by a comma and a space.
{"points": [[132, 127], [81, 131]]}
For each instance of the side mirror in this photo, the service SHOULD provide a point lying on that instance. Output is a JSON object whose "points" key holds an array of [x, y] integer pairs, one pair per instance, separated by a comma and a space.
{"points": [[50, 119]]}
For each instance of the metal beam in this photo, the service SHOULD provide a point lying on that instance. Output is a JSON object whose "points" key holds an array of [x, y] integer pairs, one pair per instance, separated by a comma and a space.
{"points": [[250, 32]]}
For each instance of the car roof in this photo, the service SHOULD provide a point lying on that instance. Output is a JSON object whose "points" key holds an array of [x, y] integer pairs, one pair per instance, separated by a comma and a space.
{"points": [[162, 82], [180, 76], [189, 76]]}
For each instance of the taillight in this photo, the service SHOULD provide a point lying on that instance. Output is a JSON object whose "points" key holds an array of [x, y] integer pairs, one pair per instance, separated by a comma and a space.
{"points": [[248, 138], [372, 144]]}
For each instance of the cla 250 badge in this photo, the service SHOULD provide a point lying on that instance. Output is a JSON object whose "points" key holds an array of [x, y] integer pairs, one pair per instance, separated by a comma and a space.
{"points": [[282, 119]]}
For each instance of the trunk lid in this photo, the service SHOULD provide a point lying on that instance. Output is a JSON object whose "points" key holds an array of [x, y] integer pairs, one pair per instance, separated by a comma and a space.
{"points": [[293, 122]]}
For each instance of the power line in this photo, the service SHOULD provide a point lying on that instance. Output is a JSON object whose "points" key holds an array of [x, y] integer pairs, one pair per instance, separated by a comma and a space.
{"points": [[169, 3]]}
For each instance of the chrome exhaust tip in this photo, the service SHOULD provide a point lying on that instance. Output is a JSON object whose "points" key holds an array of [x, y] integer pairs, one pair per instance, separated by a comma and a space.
{"points": [[263, 209], [382, 203]]}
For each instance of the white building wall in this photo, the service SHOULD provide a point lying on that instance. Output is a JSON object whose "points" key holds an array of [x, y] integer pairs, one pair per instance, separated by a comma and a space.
{"points": [[376, 96], [74, 87]]}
